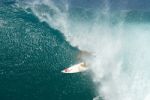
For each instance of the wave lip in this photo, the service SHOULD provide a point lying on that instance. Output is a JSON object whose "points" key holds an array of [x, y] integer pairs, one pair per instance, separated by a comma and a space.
{"points": [[120, 45]]}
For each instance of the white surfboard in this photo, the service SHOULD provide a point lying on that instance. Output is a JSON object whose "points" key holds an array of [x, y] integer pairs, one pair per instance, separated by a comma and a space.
{"points": [[75, 68]]}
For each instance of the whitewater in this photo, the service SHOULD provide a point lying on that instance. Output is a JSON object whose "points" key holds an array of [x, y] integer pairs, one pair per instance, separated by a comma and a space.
{"points": [[120, 70]]}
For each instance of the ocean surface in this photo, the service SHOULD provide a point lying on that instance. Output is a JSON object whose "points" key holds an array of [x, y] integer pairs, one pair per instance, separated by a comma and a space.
{"points": [[39, 38]]}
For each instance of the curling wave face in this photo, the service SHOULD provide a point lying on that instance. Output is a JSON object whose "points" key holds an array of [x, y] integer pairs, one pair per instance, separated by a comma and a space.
{"points": [[119, 40]]}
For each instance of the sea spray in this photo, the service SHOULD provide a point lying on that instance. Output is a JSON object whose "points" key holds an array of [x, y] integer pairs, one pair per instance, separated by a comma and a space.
{"points": [[121, 46]]}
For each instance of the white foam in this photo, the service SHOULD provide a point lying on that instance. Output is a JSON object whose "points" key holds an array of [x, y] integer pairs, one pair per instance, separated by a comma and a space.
{"points": [[121, 65]]}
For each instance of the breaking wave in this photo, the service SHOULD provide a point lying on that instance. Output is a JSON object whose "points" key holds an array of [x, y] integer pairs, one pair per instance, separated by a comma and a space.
{"points": [[118, 39]]}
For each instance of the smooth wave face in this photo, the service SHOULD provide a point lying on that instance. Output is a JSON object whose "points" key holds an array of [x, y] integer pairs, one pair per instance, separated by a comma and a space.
{"points": [[119, 39]]}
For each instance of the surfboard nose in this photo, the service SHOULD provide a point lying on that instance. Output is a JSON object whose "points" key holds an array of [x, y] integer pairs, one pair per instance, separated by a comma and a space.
{"points": [[63, 71]]}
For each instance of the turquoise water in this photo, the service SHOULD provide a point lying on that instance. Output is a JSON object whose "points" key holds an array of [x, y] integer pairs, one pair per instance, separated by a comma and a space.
{"points": [[32, 54], [39, 38]]}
